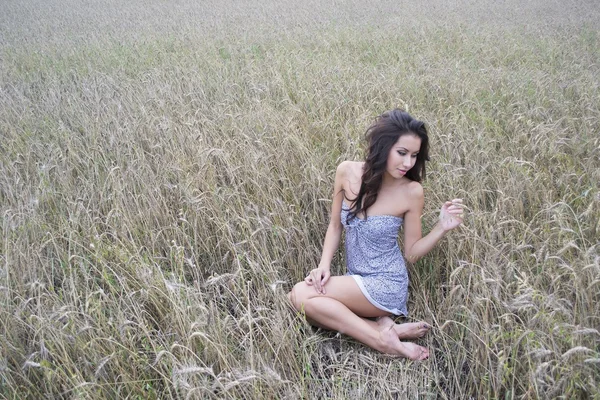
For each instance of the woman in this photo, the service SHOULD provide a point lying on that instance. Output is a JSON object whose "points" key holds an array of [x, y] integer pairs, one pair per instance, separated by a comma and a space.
{"points": [[371, 200]]}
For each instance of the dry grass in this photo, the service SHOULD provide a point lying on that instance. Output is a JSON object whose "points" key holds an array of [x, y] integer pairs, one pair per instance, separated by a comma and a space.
{"points": [[165, 175]]}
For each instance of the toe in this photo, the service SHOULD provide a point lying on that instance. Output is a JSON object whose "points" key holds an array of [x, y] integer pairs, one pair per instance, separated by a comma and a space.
{"points": [[423, 354]]}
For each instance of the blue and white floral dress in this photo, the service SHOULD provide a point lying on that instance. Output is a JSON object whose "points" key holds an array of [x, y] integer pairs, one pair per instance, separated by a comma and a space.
{"points": [[374, 260]]}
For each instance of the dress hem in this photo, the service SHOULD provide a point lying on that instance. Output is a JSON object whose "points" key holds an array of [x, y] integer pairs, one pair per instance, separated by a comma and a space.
{"points": [[363, 289]]}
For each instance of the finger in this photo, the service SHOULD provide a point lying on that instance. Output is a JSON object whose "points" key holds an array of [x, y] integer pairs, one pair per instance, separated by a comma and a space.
{"points": [[324, 280], [317, 283], [455, 211], [457, 201]]}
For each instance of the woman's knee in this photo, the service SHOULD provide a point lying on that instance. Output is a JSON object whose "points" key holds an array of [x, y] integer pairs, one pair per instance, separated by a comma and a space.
{"points": [[299, 294]]}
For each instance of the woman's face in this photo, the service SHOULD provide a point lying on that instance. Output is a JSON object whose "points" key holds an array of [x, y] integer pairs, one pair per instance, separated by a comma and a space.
{"points": [[403, 155]]}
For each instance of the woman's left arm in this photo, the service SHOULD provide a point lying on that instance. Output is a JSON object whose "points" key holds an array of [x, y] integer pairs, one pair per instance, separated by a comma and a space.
{"points": [[416, 246]]}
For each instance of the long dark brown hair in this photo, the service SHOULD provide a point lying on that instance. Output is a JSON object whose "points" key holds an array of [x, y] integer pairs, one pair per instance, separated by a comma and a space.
{"points": [[381, 136]]}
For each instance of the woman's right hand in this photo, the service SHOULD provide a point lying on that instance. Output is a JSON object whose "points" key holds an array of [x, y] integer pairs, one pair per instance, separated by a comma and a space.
{"points": [[318, 277]]}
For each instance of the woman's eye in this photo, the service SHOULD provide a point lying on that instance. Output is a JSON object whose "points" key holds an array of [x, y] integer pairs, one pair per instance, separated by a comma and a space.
{"points": [[414, 155], [401, 153]]}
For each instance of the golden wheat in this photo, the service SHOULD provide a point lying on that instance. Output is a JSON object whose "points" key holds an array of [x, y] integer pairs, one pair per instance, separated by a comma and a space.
{"points": [[166, 172]]}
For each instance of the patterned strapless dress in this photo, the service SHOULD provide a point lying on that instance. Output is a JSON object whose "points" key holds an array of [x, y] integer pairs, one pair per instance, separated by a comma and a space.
{"points": [[374, 260]]}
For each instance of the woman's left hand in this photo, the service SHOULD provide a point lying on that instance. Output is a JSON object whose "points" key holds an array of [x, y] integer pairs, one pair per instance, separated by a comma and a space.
{"points": [[451, 214]]}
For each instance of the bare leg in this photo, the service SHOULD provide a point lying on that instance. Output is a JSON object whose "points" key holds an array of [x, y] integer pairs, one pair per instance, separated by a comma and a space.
{"points": [[339, 310], [334, 315], [407, 330]]}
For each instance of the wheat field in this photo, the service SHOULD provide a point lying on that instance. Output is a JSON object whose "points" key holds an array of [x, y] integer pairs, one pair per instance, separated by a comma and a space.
{"points": [[166, 171]]}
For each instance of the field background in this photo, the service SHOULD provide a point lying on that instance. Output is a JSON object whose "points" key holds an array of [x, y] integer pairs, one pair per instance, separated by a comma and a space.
{"points": [[166, 170]]}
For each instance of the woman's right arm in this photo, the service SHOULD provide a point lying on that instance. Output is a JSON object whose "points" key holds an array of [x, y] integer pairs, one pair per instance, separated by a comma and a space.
{"points": [[320, 275]]}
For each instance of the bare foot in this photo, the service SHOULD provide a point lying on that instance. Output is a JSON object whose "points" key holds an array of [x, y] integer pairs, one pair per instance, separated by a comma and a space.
{"points": [[409, 330], [412, 330], [414, 351], [395, 347], [384, 322]]}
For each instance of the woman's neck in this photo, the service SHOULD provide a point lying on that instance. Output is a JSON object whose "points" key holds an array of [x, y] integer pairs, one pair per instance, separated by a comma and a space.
{"points": [[388, 180]]}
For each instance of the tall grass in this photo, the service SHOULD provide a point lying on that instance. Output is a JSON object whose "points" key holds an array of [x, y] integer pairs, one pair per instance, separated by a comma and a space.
{"points": [[166, 173]]}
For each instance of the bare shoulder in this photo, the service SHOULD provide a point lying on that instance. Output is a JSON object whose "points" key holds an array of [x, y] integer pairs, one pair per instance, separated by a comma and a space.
{"points": [[350, 170], [349, 175], [351, 166], [415, 197], [414, 190], [412, 194], [342, 167]]}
